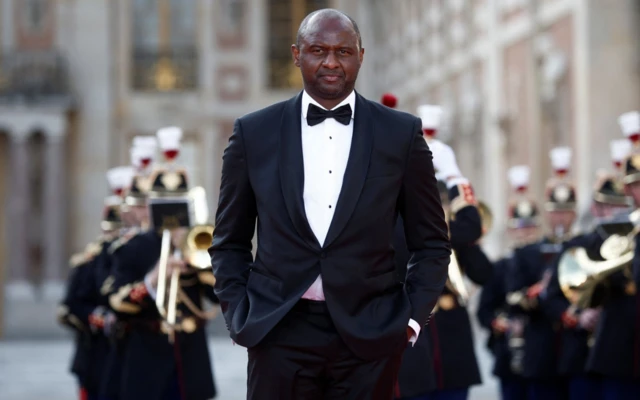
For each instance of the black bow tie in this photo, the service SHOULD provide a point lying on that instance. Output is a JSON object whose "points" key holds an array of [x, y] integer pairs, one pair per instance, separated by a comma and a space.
{"points": [[316, 115]]}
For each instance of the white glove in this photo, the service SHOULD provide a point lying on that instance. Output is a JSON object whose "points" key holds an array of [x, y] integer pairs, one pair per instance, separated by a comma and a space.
{"points": [[444, 161], [588, 319]]}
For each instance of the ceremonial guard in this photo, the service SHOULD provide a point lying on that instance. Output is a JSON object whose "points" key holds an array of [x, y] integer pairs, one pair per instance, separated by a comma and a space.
{"points": [[615, 354], [167, 355], [529, 274], [577, 317], [85, 307], [135, 216], [505, 335], [442, 363]]}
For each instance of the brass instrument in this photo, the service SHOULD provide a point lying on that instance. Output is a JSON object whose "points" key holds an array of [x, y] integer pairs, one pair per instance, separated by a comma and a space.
{"points": [[579, 275], [165, 248], [193, 250], [456, 282], [486, 216]]}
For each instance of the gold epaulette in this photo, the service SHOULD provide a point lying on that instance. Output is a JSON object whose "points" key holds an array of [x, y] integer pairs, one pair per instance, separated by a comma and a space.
{"points": [[79, 259], [93, 249], [76, 260], [130, 234]]}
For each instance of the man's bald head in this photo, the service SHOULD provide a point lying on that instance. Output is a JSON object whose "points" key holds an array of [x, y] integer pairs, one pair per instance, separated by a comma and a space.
{"points": [[325, 13]]}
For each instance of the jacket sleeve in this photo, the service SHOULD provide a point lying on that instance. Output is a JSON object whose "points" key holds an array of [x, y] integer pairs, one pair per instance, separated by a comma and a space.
{"points": [[130, 294], [425, 229], [401, 256], [207, 280], [492, 296], [518, 279], [475, 263], [80, 298], [236, 215], [555, 303], [465, 225]]}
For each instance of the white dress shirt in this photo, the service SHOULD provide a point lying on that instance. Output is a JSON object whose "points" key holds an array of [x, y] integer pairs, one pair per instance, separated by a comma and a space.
{"points": [[325, 152]]}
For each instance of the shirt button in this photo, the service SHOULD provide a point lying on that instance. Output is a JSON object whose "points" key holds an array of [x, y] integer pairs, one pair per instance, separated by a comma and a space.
{"points": [[329, 206], [330, 137], [329, 171]]}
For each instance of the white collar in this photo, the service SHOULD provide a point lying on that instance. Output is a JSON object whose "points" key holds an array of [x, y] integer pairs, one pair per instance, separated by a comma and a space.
{"points": [[306, 100]]}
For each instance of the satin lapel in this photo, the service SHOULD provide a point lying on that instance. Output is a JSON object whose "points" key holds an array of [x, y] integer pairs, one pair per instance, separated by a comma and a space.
{"points": [[291, 168], [356, 171]]}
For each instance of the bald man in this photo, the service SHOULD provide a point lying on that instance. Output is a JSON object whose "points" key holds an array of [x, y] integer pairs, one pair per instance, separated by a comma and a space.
{"points": [[321, 308]]}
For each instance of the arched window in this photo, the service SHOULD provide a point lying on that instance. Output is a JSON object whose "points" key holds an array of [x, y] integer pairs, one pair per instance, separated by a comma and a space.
{"points": [[164, 45], [284, 18]]}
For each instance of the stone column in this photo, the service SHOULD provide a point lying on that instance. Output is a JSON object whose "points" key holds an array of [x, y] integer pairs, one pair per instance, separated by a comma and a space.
{"points": [[54, 208], [19, 206]]}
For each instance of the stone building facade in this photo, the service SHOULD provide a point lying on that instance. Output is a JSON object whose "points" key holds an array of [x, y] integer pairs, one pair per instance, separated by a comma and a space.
{"points": [[80, 78], [516, 78]]}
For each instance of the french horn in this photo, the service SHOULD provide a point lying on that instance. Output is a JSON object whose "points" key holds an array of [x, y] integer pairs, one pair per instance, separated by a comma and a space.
{"points": [[579, 274]]}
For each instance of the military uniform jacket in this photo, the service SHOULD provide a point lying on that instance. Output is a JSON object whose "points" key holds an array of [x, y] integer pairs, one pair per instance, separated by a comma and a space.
{"points": [[82, 298], [573, 348], [492, 304], [616, 350], [112, 369], [443, 356], [150, 361], [541, 334]]}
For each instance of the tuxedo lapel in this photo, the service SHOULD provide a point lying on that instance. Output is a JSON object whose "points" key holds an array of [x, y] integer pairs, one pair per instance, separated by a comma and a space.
{"points": [[356, 171], [291, 168]]}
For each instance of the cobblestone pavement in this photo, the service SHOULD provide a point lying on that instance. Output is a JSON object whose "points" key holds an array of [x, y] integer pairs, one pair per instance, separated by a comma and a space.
{"points": [[37, 370]]}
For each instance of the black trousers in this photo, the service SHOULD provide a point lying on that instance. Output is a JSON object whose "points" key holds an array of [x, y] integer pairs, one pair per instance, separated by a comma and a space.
{"points": [[304, 358]]}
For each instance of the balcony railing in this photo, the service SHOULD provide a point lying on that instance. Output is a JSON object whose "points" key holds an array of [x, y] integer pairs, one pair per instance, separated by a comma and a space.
{"points": [[34, 78], [170, 70]]}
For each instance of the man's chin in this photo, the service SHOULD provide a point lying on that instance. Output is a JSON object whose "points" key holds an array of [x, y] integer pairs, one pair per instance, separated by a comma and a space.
{"points": [[331, 91]]}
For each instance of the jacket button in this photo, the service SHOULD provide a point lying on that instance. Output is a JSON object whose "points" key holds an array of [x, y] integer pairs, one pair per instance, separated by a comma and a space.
{"points": [[323, 255]]}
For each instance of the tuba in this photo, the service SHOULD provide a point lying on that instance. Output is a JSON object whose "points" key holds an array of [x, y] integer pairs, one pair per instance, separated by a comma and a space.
{"points": [[455, 281], [193, 249], [579, 275]]}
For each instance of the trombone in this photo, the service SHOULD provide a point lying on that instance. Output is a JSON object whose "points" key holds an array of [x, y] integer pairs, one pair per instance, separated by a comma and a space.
{"points": [[579, 275], [193, 250]]}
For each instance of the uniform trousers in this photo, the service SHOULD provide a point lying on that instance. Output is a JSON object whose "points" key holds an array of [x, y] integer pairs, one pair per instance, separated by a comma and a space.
{"points": [[619, 389], [513, 389], [584, 388]]}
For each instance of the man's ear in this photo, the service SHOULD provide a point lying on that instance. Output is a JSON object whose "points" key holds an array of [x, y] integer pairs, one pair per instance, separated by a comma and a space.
{"points": [[295, 52]]}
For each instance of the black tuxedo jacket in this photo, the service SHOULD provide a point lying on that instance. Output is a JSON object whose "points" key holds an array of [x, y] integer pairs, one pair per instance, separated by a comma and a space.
{"points": [[389, 172]]}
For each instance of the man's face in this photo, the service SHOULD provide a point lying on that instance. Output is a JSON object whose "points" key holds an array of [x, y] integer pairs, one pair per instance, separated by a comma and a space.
{"points": [[178, 236], [128, 219], [605, 210], [524, 234], [140, 213], [561, 219], [329, 58]]}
